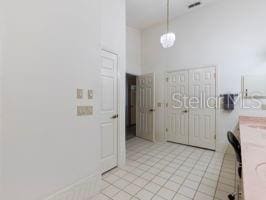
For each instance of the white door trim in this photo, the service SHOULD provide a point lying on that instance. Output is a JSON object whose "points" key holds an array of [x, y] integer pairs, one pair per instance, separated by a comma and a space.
{"points": [[216, 93]]}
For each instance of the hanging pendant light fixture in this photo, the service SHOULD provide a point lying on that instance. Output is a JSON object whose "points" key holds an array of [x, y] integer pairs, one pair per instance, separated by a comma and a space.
{"points": [[168, 39]]}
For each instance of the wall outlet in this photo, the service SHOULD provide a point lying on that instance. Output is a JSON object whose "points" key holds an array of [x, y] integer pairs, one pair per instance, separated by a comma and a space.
{"points": [[79, 94], [90, 94], [84, 110]]}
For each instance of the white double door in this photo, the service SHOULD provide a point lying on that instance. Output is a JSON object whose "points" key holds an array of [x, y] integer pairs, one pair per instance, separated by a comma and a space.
{"points": [[191, 112]]}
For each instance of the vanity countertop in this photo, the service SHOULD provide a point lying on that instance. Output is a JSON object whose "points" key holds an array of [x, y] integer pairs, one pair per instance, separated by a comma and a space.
{"points": [[253, 144]]}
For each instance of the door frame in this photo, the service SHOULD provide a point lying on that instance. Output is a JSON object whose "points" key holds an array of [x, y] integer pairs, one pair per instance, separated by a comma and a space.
{"points": [[216, 94], [121, 102]]}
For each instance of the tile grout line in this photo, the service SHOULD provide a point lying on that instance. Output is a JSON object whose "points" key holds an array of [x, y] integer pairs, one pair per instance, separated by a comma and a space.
{"points": [[159, 176], [216, 189], [219, 177], [172, 173], [204, 176], [181, 184], [185, 178], [139, 176], [164, 151]]}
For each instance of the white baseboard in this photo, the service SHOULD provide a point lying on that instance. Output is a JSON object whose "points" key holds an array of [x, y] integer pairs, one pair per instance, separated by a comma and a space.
{"points": [[81, 190]]}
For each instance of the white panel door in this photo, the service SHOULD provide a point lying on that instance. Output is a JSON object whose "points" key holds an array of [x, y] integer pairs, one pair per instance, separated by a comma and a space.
{"points": [[176, 107], [109, 131], [146, 107], [202, 123]]}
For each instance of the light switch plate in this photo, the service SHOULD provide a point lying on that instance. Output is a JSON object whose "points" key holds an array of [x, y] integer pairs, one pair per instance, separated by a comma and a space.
{"points": [[79, 94], [84, 110], [263, 106], [90, 94]]}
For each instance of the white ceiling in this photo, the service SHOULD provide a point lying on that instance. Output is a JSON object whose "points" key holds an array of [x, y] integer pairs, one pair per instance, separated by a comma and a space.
{"points": [[145, 13]]}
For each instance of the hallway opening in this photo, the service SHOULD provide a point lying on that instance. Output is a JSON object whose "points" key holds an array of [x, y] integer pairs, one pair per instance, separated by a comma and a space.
{"points": [[131, 85]]}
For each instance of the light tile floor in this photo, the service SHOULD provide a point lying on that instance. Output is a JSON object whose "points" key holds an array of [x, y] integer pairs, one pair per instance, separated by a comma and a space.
{"points": [[227, 178], [167, 171]]}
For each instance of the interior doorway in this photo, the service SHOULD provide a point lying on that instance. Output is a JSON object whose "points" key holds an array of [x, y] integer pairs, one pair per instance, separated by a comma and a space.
{"points": [[131, 88]]}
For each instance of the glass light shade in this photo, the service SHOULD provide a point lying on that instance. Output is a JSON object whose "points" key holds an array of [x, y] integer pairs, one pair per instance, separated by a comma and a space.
{"points": [[168, 40]]}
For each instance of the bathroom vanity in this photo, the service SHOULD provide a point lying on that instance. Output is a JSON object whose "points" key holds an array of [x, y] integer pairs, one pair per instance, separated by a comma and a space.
{"points": [[253, 144]]}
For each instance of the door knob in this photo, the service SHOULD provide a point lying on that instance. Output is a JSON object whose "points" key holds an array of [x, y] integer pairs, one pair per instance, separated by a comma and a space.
{"points": [[114, 117], [185, 111], [152, 110]]}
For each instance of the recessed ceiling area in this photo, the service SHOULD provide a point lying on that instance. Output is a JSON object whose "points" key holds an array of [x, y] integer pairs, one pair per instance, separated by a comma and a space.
{"points": [[145, 13]]}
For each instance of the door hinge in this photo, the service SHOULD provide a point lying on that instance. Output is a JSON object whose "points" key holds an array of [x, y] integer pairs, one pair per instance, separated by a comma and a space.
{"points": [[166, 129], [167, 79], [215, 137], [214, 75]]}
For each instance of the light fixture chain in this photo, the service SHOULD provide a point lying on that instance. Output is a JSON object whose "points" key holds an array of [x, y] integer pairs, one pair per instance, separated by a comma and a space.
{"points": [[168, 8], [168, 39]]}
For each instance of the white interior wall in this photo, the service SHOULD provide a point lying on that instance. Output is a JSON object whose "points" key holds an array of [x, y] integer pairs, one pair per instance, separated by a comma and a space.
{"points": [[133, 51], [1, 117], [50, 49], [227, 34]]}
